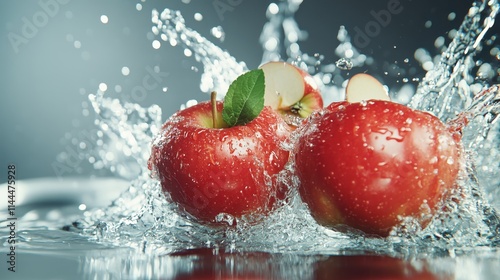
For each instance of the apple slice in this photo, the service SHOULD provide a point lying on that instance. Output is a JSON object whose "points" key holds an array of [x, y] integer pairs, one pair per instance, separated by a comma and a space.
{"points": [[290, 90], [365, 87]]}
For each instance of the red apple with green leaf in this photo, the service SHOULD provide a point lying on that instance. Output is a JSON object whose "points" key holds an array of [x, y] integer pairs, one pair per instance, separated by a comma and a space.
{"points": [[220, 161], [291, 91], [367, 164]]}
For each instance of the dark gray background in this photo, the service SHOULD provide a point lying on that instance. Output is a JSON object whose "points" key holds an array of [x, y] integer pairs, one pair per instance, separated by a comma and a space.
{"points": [[44, 83]]}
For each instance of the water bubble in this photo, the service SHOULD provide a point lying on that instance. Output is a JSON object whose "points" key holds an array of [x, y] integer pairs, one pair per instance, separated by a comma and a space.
{"points": [[110, 156], [485, 71], [428, 65], [452, 33], [495, 51], [273, 8], [473, 10], [349, 53], [77, 44], [138, 6], [85, 112], [294, 47], [156, 44], [103, 87], [198, 17], [82, 145], [452, 16], [292, 37], [125, 71], [439, 42], [155, 30], [344, 64], [104, 19], [188, 52], [218, 32], [271, 44]]}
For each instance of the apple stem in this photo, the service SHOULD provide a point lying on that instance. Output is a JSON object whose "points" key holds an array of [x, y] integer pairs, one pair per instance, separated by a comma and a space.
{"points": [[213, 101]]}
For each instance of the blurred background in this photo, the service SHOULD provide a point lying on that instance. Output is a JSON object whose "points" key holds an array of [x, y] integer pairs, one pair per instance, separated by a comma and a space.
{"points": [[54, 53]]}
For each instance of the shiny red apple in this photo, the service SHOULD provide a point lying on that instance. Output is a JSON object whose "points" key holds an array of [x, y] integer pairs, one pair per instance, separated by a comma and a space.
{"points": [[367, 164], [290, 91], [213, 171]]}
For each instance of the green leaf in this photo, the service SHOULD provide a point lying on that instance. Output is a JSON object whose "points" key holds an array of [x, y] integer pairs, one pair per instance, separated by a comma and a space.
{"points": [[244, 99]]}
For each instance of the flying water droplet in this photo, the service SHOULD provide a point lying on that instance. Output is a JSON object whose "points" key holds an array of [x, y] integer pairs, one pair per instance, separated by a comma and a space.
{"points": [[344, 64], [218, 32]]}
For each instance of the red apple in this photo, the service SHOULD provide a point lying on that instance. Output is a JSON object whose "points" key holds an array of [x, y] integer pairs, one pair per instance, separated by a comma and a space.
{"points": [[290, 91], [367, 164], [209, 263], [371, 266], [211, 171]]}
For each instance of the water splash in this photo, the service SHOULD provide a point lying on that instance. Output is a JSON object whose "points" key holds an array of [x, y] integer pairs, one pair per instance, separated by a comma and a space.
{"points": [[447, 89], [219, 67], [142, 217]]}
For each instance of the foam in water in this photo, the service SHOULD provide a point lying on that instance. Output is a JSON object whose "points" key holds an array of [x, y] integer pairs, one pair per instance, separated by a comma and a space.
{"points": [[143, 218]]}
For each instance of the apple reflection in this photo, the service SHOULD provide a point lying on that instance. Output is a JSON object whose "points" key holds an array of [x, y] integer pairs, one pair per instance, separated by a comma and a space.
{"points": [[217, 264]]}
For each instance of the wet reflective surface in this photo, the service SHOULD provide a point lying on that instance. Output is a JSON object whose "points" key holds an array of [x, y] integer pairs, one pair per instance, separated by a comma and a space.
{"points": [[46, 251], [109, 263]]}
